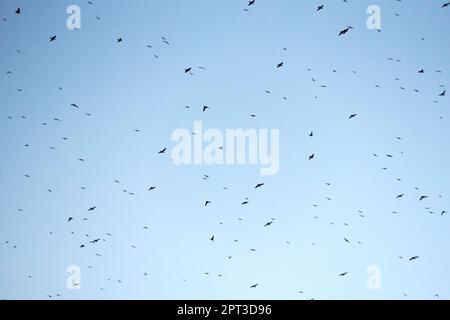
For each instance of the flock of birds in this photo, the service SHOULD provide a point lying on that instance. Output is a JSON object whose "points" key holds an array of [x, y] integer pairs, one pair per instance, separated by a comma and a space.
{"points": [[189, 70]]}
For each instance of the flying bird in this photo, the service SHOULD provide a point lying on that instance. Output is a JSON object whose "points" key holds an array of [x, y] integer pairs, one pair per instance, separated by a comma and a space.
{"points": [[344, 31]]}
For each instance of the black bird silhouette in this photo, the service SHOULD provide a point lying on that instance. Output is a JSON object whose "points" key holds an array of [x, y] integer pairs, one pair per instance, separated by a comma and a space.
{"points": [[212, 238], [268, 223], [162, 151], [187, 70], [343, 274], [254, 286], [52, 38], [151, 188], [280, 64], [18, 11], [400, 195], [205, 108], [423, 198], [92, 208], [312, 156], [320, 7], [353, 116], [442, 94], [344, 31], [259, 185], [251, 2], [207, 202], [119, 40], [414, 258]]}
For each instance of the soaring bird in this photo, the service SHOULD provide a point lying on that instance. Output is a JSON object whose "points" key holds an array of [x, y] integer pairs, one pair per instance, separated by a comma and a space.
{"points": [[162, 151], [423, 198], [70, 219], [311, 156], [413, 258], [251, 2], [442, 94], [343, 274], [353, 116], [151, 188], [259, 185], [119, 40], [280, 65], [52, 38], [92, 208], [254, 286], [212, 238], [400, 196], [320, 7], [18, 11], [205, 108], [344, 31], [207, 202], [187, 70], [268, 223]]}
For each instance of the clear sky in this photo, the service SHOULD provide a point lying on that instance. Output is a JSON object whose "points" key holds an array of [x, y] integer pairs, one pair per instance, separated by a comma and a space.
{"points": [[122, 87]]}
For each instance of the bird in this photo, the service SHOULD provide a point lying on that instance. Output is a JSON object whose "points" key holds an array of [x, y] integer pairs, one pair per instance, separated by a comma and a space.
{"points": [[414, 258], [280, 65], [259, 185], [187, 70], [442, 94], [162, 151], [52, 38], [343, 274], [205, 108], [70, 219], [344, 31], [421, 71], [92, 208], [207, 202], [18, 11], [254, 286], [212, 238], [119, 40], [400, 196], [251, 2], [312, 156], [151, 188], [352, 115], [268, 223], [423, 198], [320, 7]]}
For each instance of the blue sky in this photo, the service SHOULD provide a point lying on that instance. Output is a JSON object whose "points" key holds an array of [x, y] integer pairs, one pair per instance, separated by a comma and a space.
{"points": [[124, 87]]}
